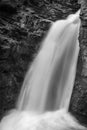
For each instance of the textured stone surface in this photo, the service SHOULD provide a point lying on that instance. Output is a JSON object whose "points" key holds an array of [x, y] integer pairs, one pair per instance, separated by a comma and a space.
{"points": [[23, 24], [78, 104], [19, 38]]}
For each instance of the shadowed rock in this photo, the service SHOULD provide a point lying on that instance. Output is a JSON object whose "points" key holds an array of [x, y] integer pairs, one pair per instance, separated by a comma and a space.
{"points": [[78, 104]]}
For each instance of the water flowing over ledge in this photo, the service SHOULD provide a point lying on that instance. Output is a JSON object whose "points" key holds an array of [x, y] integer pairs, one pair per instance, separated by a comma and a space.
{"points": [[45, 96], [49, 82]]}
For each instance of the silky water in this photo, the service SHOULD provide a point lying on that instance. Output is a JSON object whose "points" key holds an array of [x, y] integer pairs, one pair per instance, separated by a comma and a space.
{"points": [[46, 92]]}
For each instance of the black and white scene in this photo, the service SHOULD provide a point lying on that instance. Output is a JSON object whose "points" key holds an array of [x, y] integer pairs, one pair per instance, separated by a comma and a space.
{"points": [[43, 64]]}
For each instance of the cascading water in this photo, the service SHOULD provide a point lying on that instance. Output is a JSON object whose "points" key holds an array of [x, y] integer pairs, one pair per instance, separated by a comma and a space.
{"points": [[49, 82]]}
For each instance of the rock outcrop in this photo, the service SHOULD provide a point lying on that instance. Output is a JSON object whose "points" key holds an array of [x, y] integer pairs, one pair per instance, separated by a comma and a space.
{"points": [[78, 104]]}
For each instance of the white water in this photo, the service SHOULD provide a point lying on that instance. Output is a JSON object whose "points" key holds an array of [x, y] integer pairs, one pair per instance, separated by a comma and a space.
{"points": [[49, 82]]}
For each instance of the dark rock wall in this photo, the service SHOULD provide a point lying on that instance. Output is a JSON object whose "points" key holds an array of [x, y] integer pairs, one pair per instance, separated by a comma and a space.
{"points": [[20, 35], [23, 25], [78, 104]]}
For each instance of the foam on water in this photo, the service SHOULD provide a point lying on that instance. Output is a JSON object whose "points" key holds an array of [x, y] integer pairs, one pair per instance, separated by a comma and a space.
{"points": [[25, 120]]}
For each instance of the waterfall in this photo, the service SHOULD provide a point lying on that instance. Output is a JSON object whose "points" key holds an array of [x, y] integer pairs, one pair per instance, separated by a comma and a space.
{"points": [[45, 95], [49, 82]]}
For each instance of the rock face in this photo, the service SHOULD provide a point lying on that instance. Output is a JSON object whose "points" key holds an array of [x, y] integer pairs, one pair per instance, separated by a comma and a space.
{"points": [[23, 24], [78, 104], [20, 35]]}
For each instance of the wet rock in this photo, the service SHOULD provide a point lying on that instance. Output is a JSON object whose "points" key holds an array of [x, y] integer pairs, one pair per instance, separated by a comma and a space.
{"points": [[78, 104]]}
